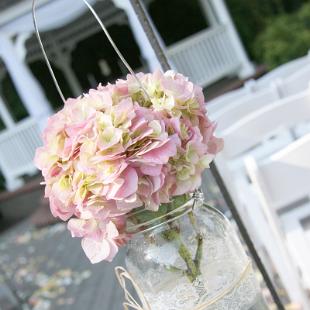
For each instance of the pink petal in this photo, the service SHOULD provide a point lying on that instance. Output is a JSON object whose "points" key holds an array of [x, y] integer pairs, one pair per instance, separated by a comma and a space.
{"points": [[130, 184], [187, 186], [161, 154], [112, 189], [129, 204], [145, 187], [77, 228], [153, 170], [157, 182], [97, 251], [58, 209], [215, 145], [111, 230]]}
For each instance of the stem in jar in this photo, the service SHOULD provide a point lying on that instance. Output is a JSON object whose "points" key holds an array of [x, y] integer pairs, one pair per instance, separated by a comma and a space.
{"points": [[192, 272], [198, 256], [174, 234], [199, 238]]}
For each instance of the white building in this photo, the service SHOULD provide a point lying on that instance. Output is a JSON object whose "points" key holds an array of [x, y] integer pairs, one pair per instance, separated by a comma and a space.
{"points": [[81, 57], [67, 31]]}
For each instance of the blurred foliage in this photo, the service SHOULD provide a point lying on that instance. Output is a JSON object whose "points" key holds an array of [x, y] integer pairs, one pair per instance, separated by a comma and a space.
{"points": [[286, 37], [252, 18], [176, 24]]}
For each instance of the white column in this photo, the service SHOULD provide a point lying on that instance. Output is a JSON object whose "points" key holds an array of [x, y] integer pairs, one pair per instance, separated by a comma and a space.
{"points": [[218, 7], [62, 59], [11, 182], [74, 83], [26, 85], [139, 34], [208, 12]]}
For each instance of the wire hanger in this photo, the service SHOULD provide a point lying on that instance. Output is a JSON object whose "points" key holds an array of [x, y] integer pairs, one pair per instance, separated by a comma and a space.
{"points": [[118, 52]]}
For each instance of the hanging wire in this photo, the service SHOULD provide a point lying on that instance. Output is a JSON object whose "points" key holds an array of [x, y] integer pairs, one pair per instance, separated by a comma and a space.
{"points": [[34, 17], [149, 30], [118, 52]]}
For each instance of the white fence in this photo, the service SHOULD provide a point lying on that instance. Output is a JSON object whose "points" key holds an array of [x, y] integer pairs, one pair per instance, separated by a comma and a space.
{"points": [[18, 147], [205, 56]]}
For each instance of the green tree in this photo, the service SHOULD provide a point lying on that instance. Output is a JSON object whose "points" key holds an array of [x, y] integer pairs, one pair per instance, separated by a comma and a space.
{"points": [[252, 17], [286, 37]]}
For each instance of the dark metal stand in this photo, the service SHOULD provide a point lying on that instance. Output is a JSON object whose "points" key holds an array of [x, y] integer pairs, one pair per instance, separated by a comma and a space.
{"points": [[159, 51]]}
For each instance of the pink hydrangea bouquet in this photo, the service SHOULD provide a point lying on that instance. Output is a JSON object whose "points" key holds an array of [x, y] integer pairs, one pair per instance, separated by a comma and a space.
{"points": [[122, 147]]}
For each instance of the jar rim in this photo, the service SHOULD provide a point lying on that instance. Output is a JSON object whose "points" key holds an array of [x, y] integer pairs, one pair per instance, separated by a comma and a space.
{"points": [[163, 219]]}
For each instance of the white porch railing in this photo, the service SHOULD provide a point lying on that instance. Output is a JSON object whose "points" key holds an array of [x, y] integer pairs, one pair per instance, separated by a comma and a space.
{"points": [[17, 149], [206, 56]]}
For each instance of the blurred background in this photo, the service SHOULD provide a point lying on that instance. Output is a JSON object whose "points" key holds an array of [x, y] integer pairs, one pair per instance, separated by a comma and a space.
{"points": [[250, 57]]}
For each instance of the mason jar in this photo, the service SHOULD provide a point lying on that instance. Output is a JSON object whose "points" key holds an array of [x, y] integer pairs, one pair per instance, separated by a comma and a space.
{"points": [[190, 259]]}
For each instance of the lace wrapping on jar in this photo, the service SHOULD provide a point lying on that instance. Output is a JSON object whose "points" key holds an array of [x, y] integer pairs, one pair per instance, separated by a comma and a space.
{"points": [[131, 303]]}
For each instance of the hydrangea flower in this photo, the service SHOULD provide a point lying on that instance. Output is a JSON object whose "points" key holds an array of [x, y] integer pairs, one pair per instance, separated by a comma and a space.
{"points": [[118, 148]]}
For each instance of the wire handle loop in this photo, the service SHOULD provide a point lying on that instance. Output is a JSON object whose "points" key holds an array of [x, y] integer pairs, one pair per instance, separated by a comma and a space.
{"points": [[120, 55], [130, 302]]}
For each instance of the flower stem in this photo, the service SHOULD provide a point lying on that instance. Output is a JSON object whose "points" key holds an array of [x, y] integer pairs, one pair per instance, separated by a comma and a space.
{"points": [[198, 256], [199, 238], [174, 234], [192, 271]]}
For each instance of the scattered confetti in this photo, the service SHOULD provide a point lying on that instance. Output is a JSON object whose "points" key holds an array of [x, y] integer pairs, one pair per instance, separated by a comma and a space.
{"points": [[40, 279]]}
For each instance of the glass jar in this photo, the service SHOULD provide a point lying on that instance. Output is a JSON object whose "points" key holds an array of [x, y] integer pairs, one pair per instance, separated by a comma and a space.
{"points": [[190, 258]]}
